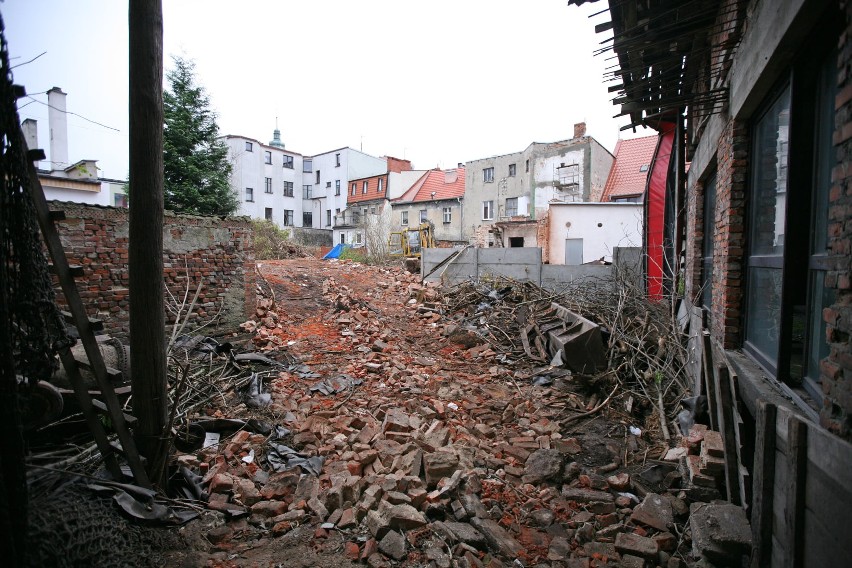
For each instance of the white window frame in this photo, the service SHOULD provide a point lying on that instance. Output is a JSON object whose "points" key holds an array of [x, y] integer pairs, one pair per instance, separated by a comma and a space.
{"points": [[250, 194], [403, 217], [488, 174], [448, 215], [267, 185], [488, 210], [267, 157]]}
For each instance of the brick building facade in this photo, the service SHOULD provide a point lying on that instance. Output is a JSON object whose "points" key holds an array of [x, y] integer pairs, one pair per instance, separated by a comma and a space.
{"points": [[209, 250]]}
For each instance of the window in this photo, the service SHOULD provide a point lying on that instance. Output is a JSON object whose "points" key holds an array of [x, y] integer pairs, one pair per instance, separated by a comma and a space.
{"points": [[788, 222], [249, 194], [352, 189], [357, 238], [527, 166], [487, 210], [403, 218], [307, 165], [307, 219], [288, 162], [511, 206], [268, 186], [343, 238], [337, 187], [448, 215], [423, 214], [288, 217], [288, 189], [328, 217], [707, 245], [381, 185], [373, 210], [249, 147], [267, 157], [307, 191], [337, 160], [512, 170], [488, 175], [364, 186], [627, 199], [267, 213], [318, 177]]}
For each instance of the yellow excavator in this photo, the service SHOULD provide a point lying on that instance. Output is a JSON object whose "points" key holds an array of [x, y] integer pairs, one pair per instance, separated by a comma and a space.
{"points": [[409, 244]]}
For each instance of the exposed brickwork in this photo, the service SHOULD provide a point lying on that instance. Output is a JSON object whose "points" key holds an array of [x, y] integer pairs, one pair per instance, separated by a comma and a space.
{"points": [[728, 247], [693, 246], [214, 251], [836, 369]]}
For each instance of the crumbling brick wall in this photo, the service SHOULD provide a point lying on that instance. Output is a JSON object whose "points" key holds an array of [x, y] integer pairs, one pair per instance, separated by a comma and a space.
{"points": [[836, 369], [209, 250]]}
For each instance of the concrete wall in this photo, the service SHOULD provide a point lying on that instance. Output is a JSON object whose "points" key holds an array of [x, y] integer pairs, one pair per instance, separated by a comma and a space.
{"points": [[516, 263], [600, 165], [503, 187], [602, 226], [209, 250]]}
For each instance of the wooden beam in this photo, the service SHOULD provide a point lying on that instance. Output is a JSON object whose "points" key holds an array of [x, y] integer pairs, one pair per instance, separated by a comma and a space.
{"points": [[726, 428], [792, 532]]}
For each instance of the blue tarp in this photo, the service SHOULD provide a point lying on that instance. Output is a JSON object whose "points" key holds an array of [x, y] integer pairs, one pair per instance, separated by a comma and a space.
{"points": [[335, 252]]}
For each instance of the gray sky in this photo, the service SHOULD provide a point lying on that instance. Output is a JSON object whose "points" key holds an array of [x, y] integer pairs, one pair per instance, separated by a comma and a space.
{"points": [[436, 82]]}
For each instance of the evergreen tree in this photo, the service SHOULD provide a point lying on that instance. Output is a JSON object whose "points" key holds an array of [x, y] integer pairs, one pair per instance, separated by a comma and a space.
{"points": [[195, 163]]}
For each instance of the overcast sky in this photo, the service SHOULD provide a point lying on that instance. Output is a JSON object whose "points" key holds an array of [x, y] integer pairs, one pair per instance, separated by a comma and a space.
{"points": [[437, 82]]}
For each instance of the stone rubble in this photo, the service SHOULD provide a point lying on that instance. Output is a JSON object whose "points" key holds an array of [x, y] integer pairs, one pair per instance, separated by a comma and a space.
{"points": [[442, 458]]}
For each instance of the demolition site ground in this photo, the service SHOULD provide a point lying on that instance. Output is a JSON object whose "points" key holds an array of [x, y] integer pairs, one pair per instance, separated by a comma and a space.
{"points": [[391, 423]]}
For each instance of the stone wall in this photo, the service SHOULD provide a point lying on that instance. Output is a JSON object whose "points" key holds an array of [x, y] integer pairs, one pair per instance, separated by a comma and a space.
{"points": [[215, 252]]}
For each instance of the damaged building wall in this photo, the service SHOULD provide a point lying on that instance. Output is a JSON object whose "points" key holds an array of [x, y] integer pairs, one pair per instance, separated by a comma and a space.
{"points": [[216, 252], [778, 267]]}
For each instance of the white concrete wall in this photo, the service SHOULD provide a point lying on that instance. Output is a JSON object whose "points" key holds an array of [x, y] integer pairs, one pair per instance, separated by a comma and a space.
{"points": [[620, 226]]}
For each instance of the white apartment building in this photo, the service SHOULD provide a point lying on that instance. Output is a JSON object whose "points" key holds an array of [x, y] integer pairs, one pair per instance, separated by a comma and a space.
{"points": [[267, 179]]}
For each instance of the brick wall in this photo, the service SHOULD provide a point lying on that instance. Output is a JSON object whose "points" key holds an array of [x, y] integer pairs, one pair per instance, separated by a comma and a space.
{"points": [[210, 250], [836, 369]]}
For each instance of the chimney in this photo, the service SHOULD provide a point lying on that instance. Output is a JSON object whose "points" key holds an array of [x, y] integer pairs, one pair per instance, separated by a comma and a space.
{"points": [[30, 129], [58, 123], [461, 165], [579, 130]]}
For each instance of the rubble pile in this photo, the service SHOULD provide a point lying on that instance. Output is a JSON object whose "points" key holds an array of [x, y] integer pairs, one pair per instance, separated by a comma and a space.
{"points": [[411, 436]]}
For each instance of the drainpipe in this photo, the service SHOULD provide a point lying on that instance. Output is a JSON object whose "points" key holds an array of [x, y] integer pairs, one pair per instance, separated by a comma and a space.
{"points": [[461, 224]]}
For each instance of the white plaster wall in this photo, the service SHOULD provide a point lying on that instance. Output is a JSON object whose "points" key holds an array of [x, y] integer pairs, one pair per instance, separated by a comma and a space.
{"points": [[620, 226], [77, 195], [545, 172]]}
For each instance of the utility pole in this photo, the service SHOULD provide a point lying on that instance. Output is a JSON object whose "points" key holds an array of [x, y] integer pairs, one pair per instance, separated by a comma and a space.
{"points": [[147, 315]]}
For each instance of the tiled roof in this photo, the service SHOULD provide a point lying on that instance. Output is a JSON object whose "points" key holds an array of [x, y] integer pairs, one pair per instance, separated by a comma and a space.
{"points": [[626, 176], [436, 185]]}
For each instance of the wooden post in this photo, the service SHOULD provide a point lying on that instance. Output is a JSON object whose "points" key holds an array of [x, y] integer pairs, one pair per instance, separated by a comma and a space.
{"points": [[794, 525], [147, 305], [764, 484]]}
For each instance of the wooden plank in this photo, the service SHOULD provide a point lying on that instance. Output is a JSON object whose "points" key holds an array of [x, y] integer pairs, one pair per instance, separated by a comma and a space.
{"points": [[695, 350], [792, 535], [726, 428], [709, 382], [764, 479], [742, 472]]}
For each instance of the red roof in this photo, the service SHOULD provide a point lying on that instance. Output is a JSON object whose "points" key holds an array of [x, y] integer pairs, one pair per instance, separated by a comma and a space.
{"points": [[436, 185], [627, 178], [355, 190]]}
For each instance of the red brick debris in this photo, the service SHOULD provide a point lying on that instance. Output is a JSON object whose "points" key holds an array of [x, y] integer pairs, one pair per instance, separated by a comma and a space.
{"points": [[445, 454]]}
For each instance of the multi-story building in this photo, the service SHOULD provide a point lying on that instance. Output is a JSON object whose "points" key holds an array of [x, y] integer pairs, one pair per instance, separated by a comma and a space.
{"points": [[267, 179], [436, 198], [367, 199], [506, 195]]}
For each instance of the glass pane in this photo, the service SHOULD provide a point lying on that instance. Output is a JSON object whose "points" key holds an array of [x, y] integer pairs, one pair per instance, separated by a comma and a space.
{"points": [[769, 195], [821, 297], [764, 311]]}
